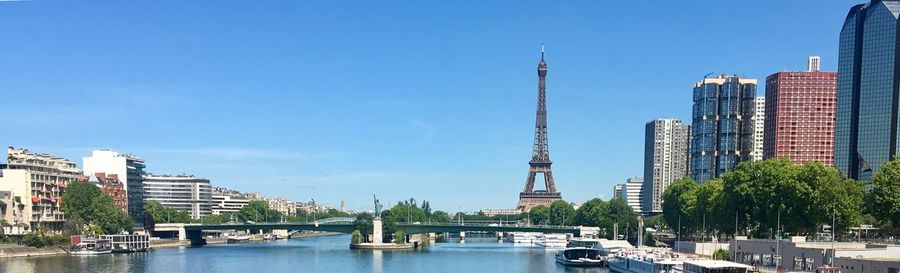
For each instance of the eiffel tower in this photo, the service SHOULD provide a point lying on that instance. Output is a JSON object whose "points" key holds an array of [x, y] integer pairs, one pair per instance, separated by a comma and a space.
{"points": [[540, 158]]}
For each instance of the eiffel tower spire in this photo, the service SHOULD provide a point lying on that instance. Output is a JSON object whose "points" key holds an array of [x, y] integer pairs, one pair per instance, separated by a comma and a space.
{"points": [[540, 157]]}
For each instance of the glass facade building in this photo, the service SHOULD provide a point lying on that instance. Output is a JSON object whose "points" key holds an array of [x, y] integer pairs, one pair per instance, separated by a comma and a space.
{"points": [[722, 128], [867, 96]]}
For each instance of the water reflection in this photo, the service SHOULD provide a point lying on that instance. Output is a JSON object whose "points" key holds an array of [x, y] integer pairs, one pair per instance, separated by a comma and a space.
{"points": [[322, 254]]}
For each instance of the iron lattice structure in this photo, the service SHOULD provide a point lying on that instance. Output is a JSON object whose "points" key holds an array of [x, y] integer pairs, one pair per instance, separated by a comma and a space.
{"points": [[540, 157]]}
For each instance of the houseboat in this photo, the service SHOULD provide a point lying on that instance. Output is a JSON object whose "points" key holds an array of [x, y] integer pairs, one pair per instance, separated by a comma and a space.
{"points": [[89, 245], [644, 262], [715, 266], [552, 240], [579, 256]]}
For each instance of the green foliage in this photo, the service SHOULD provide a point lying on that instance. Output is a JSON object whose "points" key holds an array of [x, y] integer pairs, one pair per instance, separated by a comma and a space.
{"points": [[258, 211], [36, 239], [679, 201], [363, 224], [883, 201], [355, 237], [161, 214], [440, 217], [540, 215], [399, 237], [720, 254], [216, 218], [620, 212], [592, 213], [88, 209], [561, 213], [755, 193]]}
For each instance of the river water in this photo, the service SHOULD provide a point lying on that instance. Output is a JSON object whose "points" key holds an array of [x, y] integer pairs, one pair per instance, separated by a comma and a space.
{"points": [[314, 254]]}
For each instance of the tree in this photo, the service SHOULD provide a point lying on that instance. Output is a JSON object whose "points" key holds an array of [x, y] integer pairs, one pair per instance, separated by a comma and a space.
{"points": [[88, 209], [216, 218], [258, 211], [622, 214], [540, 215], [679, 201], [399, 237], [884, 198], [561, 213], [592, 213], [161, 214], [440, 217], [363, 224], [355, 237], [720, 254]]}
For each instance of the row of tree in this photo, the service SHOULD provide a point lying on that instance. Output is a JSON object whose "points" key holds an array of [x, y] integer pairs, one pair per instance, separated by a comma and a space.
{"points": [[610, 216], [259, 211], [764, 197]]}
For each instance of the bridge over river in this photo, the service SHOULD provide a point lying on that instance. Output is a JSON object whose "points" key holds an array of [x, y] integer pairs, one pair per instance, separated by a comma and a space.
{"points": [[194, 232]]}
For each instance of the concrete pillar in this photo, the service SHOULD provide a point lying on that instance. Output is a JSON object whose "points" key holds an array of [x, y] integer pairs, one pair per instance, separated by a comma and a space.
{"points": [[462, 235], [196, 237], [376, 231], [181, 234]]}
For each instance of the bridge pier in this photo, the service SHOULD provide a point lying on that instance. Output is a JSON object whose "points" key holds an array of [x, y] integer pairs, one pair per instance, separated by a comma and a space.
{"points": [[462, 235], [196, 237]]}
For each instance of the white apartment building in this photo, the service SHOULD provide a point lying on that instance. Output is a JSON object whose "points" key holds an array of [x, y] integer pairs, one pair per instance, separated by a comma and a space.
{"points": [[282, 205], [129, 169], [633, 193], [180, 192], [666, 156], [229, 201], [759, 122], [35, 184]]}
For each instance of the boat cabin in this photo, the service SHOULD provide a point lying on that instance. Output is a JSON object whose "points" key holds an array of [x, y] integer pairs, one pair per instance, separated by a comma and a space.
{"points": [[714, 266]]}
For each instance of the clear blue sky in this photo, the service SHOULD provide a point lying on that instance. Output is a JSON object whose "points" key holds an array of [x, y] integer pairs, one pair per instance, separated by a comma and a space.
{"points": [[427, 99]]}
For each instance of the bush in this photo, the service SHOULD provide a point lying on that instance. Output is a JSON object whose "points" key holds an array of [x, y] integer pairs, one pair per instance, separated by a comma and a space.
{"points": [[35, 239], [720, 254], [355, 237], [399, 237]]}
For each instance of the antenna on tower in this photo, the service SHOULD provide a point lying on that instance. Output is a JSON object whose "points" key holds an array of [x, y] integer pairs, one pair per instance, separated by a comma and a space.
{"points": [[542, 50]]}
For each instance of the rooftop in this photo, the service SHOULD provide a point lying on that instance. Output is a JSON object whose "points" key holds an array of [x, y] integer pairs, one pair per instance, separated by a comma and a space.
{"points": [[717, 264]]}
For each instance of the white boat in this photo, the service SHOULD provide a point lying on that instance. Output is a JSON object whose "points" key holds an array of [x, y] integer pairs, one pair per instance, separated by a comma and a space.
{"points": [[522, 237], [88, 245], [552, 240], [237, 239], [640, 261], [704, 266], [579, 256]]}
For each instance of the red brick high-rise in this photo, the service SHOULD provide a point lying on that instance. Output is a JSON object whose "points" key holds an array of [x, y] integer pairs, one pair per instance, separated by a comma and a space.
{"points": [[800, 115]]}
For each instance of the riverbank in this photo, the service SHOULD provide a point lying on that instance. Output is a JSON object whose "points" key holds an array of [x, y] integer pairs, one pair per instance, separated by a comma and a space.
{"points": [[15, 251]]}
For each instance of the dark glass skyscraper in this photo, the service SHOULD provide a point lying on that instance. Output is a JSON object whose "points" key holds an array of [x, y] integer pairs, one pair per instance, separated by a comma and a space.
{"points": [[867, 96], [722, 131]]}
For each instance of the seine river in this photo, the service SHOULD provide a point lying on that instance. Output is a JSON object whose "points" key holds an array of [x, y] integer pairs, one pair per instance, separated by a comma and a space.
{"points": [[315, 254]]}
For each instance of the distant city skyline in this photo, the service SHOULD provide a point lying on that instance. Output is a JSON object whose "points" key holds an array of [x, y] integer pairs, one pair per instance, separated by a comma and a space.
{"points": [[335, 102]]}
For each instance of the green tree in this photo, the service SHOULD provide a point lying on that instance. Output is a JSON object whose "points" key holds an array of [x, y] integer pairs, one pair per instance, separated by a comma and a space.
{"points": [[399, 237], [592, 213], [720, 254], [622, 214], [161, 214], [355, 237], [561, 213], [440, 217], [258, 211], [88, 209], [884, 197], [216, 218], [363, 224], [679, 201], [540, 215]]}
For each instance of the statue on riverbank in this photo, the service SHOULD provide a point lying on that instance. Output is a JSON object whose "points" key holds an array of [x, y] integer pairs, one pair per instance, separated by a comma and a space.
{"points": [[377, 207]]}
